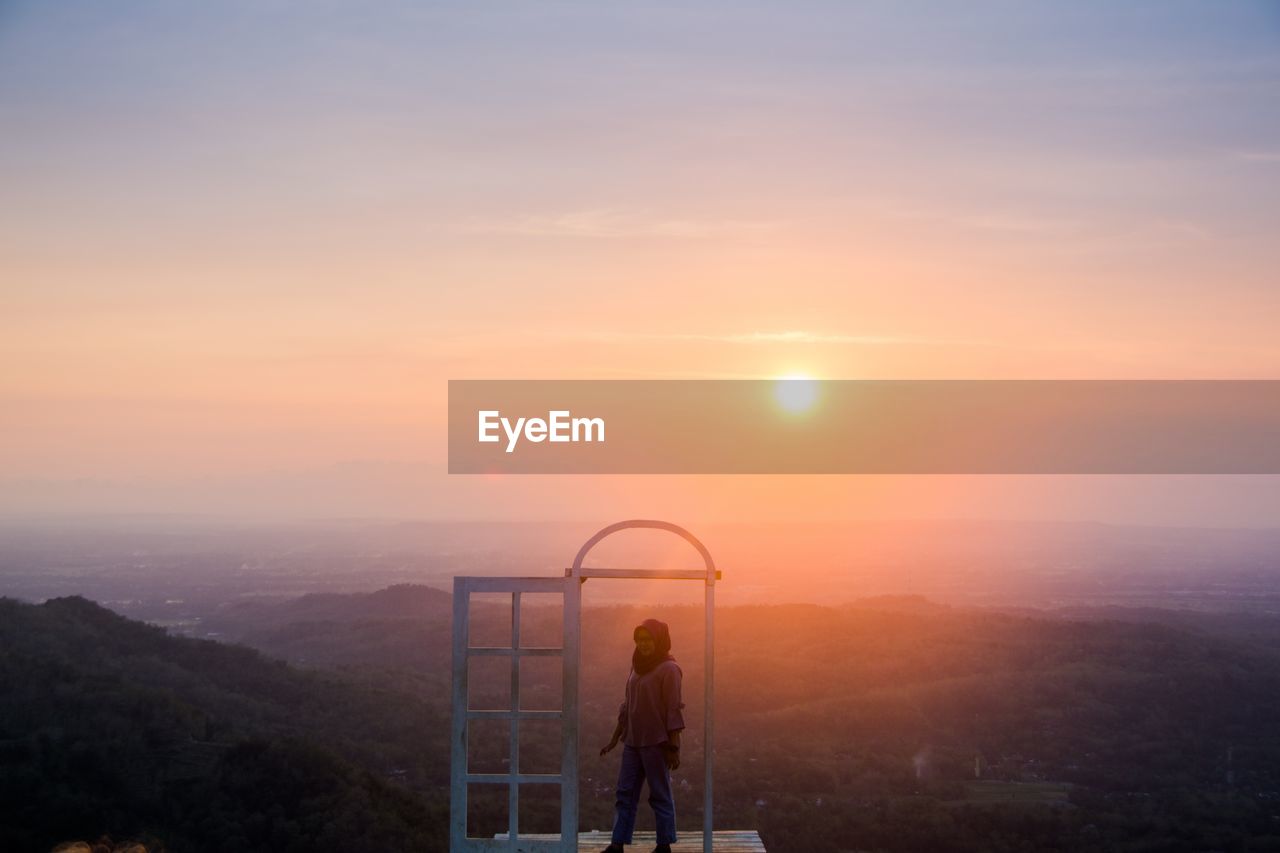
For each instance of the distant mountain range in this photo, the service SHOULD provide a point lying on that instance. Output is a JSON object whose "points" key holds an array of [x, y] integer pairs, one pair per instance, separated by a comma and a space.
{"points": [[904, 724]]}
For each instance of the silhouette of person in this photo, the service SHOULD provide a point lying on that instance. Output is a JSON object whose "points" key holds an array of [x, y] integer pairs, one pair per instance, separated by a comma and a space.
{"points": [[649, 726]]}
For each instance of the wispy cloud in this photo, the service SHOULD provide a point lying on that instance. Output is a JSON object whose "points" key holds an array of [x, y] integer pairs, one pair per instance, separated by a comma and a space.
{"points": [[1100, 230], [1259, 155], [1019, 223], [615, 223], [791, 336], [1008, 221]]}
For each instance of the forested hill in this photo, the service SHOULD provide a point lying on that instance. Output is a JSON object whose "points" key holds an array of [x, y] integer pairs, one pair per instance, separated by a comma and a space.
{"points": [[111, 726], [405, 625], [892, 725], [867, 726]]}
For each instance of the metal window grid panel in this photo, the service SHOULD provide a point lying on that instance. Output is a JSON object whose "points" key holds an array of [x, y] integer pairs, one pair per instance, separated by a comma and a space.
{"points": [[460, 774]]}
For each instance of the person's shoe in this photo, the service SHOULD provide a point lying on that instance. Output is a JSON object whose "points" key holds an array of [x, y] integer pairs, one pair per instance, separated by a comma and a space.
{"points": [[662, 848], [617, 848]]}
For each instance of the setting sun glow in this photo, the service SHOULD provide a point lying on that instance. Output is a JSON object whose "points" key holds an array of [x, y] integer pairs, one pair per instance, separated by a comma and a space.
{"points": [[796, 393]]}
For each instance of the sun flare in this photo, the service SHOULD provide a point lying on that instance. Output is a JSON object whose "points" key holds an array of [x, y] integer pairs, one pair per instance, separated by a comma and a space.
{"points": [[796, 393]]}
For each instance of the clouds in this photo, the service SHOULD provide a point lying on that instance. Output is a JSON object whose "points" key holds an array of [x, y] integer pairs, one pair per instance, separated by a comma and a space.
{"points": [[1260, 155], [792, 336], [615, 223]]}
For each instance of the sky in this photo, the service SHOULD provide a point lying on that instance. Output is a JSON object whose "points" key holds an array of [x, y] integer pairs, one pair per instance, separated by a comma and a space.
{"points": [[244, 245]]}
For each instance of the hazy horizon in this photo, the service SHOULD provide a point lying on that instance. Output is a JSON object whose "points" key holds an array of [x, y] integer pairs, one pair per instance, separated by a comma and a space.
{"points": [[175, 571]]}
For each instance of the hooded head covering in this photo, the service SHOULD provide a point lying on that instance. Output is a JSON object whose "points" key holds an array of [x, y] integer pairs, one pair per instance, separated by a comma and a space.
{"points": [[661, 646]]}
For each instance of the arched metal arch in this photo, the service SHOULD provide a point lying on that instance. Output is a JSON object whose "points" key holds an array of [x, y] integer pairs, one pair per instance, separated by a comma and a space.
{"points": [[652, 524], [710, 575]]}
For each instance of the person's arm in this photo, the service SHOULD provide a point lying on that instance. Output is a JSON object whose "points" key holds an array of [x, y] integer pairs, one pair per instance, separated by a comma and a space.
{"points": [[671, 687], [618, 730], [673, 750], [617, 733]]}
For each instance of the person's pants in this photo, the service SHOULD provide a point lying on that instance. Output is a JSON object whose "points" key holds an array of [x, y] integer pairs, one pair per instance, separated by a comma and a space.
{"points": [[641, 764]]}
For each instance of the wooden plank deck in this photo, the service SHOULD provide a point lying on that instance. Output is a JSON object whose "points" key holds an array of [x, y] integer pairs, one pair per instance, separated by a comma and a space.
{"points": [[722, 840]]}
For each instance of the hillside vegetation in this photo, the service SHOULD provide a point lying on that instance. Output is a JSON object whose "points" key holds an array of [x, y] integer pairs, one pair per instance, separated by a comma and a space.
{"points": [[110, 725], [894, 725]]}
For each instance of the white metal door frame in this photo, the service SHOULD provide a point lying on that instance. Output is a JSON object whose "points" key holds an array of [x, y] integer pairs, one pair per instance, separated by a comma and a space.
{"points": [[570, 587]]}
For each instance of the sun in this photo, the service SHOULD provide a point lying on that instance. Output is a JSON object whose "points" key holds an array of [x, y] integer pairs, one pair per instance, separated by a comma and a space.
{"points": [[796, 393]]}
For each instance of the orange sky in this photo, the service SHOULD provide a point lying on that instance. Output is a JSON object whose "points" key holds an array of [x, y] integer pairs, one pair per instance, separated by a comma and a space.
{"points": [[242, 286]]}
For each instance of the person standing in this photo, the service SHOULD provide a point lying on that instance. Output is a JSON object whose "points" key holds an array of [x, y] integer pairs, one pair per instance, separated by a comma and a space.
{"points": [[650, 721]]}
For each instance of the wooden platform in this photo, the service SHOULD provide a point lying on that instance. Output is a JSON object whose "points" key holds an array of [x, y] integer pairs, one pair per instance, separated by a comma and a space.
{"points": [[723, 841]]}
